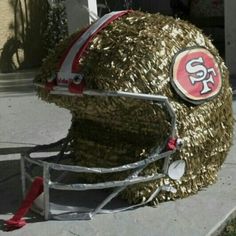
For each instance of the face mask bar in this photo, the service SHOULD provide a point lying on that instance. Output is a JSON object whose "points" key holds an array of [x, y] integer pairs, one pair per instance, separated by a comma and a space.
{"points": [[175, 170]]}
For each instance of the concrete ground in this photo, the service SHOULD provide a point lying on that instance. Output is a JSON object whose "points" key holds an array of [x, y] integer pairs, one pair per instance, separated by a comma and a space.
{"points": [[26, 121]]}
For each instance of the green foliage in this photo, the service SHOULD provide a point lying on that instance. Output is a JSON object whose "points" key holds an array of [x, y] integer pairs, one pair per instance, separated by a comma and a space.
{"points": [[230, 229], [57, 25], [36, 28]]}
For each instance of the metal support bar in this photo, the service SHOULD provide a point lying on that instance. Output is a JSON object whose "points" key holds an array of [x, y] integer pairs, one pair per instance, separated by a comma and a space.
{"points": [[22, 162], [111, 184], [46, 180], [80, 169]]}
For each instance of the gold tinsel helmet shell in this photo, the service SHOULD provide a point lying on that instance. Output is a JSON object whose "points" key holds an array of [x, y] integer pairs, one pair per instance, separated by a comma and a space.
{"points": [[135, 53]]}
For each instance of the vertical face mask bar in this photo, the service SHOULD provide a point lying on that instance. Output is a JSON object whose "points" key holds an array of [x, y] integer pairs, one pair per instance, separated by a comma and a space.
{"points": [[46, 182], [119, 185], [173, 134], [23, 178]]}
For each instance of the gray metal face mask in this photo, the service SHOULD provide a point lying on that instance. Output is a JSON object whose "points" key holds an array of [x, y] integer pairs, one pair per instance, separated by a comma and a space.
{"points": [[70, 82]]}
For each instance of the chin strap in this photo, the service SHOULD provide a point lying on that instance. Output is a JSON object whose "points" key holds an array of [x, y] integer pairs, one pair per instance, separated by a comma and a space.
{"points": [[35, 190]]}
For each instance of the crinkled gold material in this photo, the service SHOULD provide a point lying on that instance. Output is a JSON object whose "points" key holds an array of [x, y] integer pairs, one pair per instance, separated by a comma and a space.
{"points": [[134, 54]]}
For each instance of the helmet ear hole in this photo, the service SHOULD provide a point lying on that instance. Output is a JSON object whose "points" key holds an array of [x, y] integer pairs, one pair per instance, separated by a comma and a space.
{"points": [[77, 79]]}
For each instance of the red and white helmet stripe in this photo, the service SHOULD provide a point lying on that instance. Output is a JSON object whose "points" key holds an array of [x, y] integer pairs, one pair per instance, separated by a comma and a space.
{"points": [[68, 66]]}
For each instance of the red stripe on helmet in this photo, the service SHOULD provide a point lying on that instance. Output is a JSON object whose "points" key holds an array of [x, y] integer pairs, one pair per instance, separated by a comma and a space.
{"points": [[74, 40], [75, 67]]}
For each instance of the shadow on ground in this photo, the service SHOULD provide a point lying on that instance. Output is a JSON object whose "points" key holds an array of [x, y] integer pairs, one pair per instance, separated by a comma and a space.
{"points": [[10, 186]]}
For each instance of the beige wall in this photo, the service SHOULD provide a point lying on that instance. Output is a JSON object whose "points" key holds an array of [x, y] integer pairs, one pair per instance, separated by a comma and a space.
{"points": [[7, 16], [78, 16], [26, 48]]}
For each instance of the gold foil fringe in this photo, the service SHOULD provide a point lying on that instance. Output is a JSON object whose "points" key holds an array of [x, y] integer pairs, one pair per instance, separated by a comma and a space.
{"points": [[134, 54]]}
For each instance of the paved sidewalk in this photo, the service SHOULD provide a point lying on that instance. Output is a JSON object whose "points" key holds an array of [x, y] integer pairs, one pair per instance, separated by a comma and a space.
{"points": [[25, 121]]}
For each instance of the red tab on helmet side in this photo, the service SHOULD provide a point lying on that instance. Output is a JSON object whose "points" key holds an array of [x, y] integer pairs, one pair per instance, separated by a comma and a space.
{"points": [[77, 88]]}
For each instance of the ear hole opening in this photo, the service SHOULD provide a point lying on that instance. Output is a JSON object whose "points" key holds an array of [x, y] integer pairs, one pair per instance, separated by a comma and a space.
{"points": [[77, 79]]}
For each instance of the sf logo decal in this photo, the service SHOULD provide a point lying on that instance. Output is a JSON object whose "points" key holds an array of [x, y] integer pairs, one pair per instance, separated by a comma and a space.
{"points": [[199, 73], [195, 75]]}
